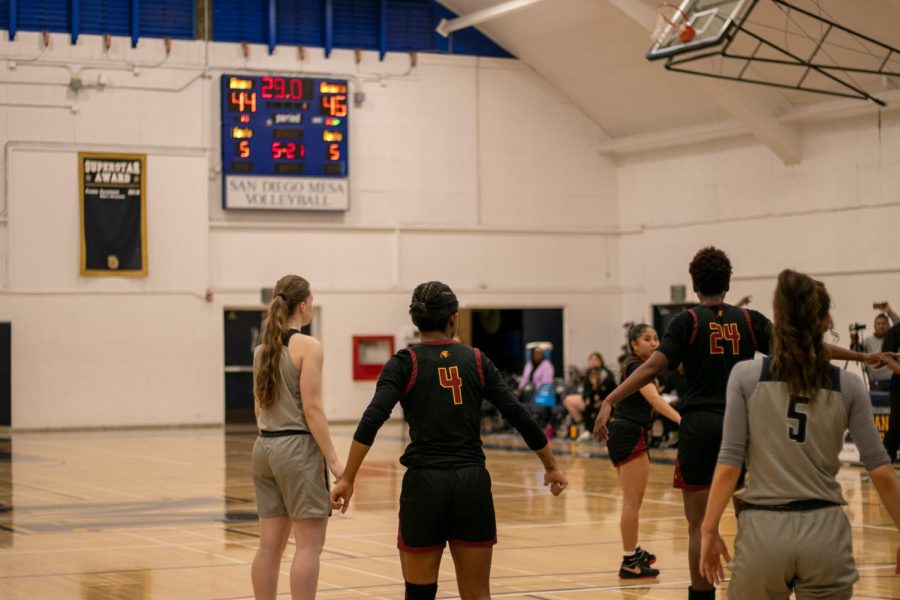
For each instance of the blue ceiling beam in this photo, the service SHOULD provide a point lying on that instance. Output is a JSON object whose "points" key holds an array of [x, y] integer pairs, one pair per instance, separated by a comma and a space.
{"points": [[135, 23], [12, 20], [329, 27], [272, 27], [383, 29], [74, 20]]}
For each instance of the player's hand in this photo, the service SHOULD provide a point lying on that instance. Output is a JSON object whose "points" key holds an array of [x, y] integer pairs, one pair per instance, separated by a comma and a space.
{"points": [[557, 481], [600, 430], [341, 494], [874, 359], [712, 550], [337, 469], [744, 301]]}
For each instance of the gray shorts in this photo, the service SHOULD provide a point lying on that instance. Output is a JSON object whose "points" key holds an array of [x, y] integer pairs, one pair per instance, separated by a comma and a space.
{"points": [[807, 552], [290, 478]]}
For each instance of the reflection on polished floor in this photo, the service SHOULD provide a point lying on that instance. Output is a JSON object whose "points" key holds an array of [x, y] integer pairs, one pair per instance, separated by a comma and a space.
{"points": [[170, 515]]}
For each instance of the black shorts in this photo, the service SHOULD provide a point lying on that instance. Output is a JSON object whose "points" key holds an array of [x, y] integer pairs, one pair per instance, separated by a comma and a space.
{"points": [[699, 438], [452, 505], [627, 441]]}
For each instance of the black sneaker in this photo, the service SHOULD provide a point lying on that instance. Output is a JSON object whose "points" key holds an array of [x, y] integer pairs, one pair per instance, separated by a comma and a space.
{"points": [[645, 557], [638, 570]]}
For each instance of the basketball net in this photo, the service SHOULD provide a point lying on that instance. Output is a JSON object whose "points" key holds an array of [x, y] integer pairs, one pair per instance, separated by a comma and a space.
{"points": [[671, 20]]}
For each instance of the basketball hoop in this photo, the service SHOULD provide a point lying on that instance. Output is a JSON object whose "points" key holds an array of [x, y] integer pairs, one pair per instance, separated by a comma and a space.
{"points": [[672, 20]]}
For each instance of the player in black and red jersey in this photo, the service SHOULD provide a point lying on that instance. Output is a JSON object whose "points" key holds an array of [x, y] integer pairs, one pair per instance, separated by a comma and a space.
{"points": [[446, 493], [709, 340]]}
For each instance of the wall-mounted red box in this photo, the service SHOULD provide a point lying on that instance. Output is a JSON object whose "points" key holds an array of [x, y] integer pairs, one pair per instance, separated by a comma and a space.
{"points": [[370, 352]]}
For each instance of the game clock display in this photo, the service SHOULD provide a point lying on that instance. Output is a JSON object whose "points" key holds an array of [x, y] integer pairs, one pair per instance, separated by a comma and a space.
{"points": [[284, 142]]}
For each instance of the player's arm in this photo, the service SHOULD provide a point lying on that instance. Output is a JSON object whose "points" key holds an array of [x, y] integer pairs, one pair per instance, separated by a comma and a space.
{"points": [[643, 375], [652, 396], [343, 489], [875, 359], [388, 392], [311, 399], [496, 392], [712, 546], [885, 481], [871, 451]]}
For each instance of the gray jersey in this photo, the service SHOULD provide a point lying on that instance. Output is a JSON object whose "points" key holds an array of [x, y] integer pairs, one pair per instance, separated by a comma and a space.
{"points": [[789, 443], [287, 410]]}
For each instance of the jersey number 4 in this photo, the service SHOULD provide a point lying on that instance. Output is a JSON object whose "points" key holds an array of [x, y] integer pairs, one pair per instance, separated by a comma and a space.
{"points": [[798, 433], [449, 378], [728, 332]]}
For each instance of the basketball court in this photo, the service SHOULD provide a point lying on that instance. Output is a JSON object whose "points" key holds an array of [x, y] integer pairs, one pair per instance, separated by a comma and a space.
{"points": [[557, 163], [170, 515]]}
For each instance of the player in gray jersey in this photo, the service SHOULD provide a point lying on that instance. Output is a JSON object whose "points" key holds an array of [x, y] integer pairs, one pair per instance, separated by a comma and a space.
{"points": [[785, 419]]}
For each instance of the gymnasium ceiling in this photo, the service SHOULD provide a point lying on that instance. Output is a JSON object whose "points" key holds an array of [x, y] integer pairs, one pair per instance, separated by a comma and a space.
{"points": [[593, 51]]}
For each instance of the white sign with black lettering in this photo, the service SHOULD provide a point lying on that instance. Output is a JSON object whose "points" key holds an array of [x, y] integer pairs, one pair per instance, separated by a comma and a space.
{"points": [[286, 193]]}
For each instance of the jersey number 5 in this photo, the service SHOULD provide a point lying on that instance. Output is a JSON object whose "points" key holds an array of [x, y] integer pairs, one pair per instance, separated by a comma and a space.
{"points": [[449, 378], [798, 433], [729, 332]]}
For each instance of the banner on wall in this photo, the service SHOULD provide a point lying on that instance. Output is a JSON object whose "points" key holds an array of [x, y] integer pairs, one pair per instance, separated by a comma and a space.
{"points": [[113, 197]]}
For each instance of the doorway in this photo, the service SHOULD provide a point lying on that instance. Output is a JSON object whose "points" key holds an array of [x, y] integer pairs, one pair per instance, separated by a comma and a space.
{"points": [[502, 333], [242, 331]]}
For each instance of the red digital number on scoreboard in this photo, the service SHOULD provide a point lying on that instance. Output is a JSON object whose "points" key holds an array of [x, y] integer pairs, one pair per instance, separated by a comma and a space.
{"points": [[288, 150]]}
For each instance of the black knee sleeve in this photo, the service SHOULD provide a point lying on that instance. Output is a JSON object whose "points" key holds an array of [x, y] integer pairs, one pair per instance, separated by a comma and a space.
{"points": [[421, 591], [701, 594]]}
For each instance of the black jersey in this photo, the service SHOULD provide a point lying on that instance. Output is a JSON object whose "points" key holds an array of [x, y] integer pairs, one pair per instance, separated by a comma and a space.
{"points": [[710, 340], [635, 407], [440, 386]]}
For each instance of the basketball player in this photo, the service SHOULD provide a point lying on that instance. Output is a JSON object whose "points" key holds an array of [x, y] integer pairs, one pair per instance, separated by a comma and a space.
{"points": [[628, 451], [709, 340], [785, 420], [293, 444], [446, 493]]}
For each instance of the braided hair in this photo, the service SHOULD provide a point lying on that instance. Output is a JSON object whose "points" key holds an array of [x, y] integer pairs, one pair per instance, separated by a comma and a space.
{"points": [[799, 355], [432, 305]]}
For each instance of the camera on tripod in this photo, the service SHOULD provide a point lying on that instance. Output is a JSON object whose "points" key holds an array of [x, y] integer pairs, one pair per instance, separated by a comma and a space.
{"points": [[855, 328]]}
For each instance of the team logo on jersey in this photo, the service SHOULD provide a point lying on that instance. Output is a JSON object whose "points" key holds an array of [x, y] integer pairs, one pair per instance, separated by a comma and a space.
{"points": [[720, 313], [445, 354]]}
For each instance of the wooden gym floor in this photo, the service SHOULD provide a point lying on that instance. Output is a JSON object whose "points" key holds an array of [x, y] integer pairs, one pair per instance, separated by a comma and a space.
{"points": [[169, 514]]}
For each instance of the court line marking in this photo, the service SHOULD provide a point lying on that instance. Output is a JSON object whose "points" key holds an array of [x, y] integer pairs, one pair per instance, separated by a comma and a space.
{"points": [[667, 585], [163, 544]]}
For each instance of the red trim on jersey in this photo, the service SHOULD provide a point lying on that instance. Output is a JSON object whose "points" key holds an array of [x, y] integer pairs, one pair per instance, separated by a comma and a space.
{"points": [[479, 365], [465, 544], [401, 545], [414, 373], [696, 326], [750, 327], [438, 342], [678, 481]]}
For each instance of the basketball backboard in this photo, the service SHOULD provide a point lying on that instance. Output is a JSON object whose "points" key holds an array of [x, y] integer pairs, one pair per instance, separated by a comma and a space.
{"points": [[711, 22]]}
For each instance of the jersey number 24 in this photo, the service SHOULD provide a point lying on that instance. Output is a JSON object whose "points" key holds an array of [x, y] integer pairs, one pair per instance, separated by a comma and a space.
{"points": [[729, 333]]}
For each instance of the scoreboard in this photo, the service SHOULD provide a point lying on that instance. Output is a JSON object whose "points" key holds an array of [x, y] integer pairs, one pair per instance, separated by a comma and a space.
{"points": [[285, 143]]}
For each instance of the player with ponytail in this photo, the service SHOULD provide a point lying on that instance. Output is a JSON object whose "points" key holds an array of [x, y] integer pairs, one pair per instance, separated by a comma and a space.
{"points": [[294, 445]]}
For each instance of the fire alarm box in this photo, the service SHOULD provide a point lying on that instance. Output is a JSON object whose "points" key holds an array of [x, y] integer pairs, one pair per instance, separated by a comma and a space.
{"points": [[370, 352]]}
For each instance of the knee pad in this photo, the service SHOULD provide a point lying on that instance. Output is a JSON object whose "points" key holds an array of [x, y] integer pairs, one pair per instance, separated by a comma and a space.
{"points": [[421, 591], [701, 594]]}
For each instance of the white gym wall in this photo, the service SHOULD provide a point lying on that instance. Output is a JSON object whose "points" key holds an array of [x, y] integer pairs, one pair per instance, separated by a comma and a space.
{"points": [[473, 171]]}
